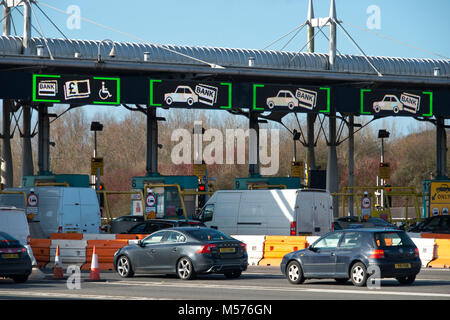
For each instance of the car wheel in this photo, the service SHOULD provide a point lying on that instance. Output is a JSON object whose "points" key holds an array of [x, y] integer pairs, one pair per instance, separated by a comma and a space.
{"points": [[169, 100], [291, 105], [406, 280], [190, 101], [185, 269], [233, 274], [359, 274], [294, 273], [376, 108], [270, 104], [396, 109], [124, 267], [20, 279]]}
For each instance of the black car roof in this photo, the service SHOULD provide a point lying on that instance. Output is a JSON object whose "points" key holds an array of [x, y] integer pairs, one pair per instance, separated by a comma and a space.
{"points": [[369, 230]]}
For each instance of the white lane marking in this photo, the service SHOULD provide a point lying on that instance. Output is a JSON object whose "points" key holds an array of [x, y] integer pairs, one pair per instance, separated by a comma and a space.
{"points": [[294, 289], [48, 295]]}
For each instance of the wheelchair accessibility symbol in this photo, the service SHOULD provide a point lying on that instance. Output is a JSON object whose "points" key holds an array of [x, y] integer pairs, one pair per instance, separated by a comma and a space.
{"points": [[104, 92]]}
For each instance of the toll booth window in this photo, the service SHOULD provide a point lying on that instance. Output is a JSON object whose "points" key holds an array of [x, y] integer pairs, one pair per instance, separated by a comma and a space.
{"points": [[14, 200], [173, 203]]}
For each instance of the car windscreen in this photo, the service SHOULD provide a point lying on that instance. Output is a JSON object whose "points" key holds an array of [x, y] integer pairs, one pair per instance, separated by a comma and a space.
{"points": [[208, 235], [392, 239], [6, 241]]}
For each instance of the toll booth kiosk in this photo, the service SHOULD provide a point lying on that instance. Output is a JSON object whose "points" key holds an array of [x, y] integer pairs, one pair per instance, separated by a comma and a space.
{"points": [[258, 182], [163, 196], [436, 197]]}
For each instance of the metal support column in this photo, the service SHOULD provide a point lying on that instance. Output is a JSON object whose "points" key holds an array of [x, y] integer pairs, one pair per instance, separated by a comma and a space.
{"points": [[7, 165], [152, 142], [27, 151], [351, 161], [441, 148], [332, 163], [253, 143], [43, 140]]}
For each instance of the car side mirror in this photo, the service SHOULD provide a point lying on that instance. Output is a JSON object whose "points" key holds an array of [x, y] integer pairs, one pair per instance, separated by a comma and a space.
{"points": [[311, 248], [141, 243]]}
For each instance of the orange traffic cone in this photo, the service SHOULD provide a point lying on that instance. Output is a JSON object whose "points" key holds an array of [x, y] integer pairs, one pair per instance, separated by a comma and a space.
{"points": [[58, 271], [95, 270]]}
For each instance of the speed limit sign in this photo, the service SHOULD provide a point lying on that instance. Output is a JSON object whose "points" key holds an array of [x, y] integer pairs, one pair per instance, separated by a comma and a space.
{"points": [[32, 200], [150, 200]]}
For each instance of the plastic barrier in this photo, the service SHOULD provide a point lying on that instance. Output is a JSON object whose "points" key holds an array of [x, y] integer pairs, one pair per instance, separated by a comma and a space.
{"points": [[105, 251], [41, 251], [72, 252], [255, 248], [67, 236], [426, 250], [275, 247], [435, 235], [443, 254]]}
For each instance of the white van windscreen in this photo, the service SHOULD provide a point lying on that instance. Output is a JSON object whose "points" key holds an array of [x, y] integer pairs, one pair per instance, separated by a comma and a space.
{"points": [[14, 200]]}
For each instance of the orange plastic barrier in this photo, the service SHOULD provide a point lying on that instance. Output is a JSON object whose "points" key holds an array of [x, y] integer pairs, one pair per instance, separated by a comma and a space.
{"points": [[105, 252], [435, 236], [131, 236], [276, 247], [66, 236], [443, 254], [41, 251]]}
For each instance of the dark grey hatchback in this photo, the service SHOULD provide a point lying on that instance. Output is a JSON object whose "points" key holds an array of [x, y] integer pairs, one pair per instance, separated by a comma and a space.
{"points": [[351, 254], [185, 251]]}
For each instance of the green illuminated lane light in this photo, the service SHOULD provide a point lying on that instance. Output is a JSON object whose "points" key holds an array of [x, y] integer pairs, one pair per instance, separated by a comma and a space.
{"points": [[151, 93], [34, 97], [328, 100], [229, 95], [431, 104], [254, 96], [362, 101], [117, 90]]}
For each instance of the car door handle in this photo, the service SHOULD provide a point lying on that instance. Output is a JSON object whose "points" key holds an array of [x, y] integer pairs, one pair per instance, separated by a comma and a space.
{"points": [[333, 254], [174, 250]]}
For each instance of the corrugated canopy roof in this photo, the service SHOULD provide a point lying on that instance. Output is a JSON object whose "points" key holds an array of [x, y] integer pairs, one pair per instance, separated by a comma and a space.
{"points": [[231, 58]]}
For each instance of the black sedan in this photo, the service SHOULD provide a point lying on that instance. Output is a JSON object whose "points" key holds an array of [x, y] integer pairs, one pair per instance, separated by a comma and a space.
{"points": [[15, 262], [184, 251], [153, 225], [352, 254]]}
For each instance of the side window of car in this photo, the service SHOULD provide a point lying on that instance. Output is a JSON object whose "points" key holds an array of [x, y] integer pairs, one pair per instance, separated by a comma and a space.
{"points": [[154, 238], [152, 227], [175, 237], [329, 242], [140, 228], [351, 240]]}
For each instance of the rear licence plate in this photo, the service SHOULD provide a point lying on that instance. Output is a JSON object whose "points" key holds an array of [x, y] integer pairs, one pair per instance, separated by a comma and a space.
{"points": [[227, 250], [10, 255], [402, 265]]}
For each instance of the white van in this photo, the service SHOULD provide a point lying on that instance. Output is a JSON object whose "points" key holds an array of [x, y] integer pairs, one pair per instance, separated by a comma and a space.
{"points": [[270, 212], [59, 209], [14, 222]]}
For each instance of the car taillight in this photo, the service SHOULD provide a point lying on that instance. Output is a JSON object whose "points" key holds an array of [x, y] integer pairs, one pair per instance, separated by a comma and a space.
{"points": [[377, 254], [59, 229], [244, 246], [28, 240], [23, 250], [293, 228], [416, 253], [332, 226], [206, 248]]}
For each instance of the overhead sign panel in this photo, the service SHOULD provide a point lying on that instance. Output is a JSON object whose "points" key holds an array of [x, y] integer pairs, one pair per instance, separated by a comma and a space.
{"points": [[190, 94], [396, 102], [76, 89], [269, 97]]}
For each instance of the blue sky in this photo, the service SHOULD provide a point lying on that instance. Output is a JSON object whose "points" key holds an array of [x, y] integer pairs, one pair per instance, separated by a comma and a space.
{"points": [[254, 24]]}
